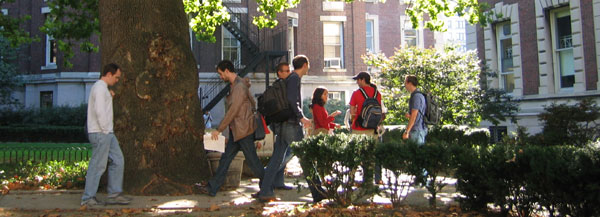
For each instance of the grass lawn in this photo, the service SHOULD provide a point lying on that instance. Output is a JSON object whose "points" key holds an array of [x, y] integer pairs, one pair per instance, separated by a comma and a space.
{"points": [[42, 152]]}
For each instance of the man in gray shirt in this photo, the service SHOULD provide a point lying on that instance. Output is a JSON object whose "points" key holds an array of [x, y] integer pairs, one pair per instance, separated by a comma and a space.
{"points": [[104, 143]]}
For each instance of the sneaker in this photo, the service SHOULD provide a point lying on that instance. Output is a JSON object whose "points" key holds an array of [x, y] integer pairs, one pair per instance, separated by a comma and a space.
{"points": [[92, 202], [118, 200]]}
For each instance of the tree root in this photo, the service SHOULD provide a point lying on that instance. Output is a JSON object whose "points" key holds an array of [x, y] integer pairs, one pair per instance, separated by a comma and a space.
{"points": [[163, 185]]}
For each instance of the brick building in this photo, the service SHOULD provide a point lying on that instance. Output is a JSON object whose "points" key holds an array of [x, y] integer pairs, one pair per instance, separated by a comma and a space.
{"points": [[333, 34], [543, 51]]}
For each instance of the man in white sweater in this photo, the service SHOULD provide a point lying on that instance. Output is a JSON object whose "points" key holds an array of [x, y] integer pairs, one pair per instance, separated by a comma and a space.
{"points": [[105, 146]]}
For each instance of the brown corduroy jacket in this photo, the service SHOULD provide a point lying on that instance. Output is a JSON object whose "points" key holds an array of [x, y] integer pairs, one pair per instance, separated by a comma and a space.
{"points": [[239, 116]]}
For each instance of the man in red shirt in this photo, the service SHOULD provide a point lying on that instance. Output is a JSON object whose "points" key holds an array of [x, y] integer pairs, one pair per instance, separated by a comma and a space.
{"points": [[363, 79]]}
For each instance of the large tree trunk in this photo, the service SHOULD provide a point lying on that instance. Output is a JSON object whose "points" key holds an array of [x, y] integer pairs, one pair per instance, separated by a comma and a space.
{"points": [[158, 119]]}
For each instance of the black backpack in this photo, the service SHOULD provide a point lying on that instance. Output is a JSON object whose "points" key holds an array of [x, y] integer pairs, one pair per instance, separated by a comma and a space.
{"points": [[371, 114], [433, 112], [273, 103]]}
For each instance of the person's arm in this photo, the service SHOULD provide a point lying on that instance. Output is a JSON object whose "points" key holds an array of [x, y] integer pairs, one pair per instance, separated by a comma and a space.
{"points": [[102, 102], [293, 93], [238, 96], [411, 123], [353, 107]]}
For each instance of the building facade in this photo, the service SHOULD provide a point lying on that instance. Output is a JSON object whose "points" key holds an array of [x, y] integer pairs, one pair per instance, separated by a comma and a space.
{"points": [[543, 52], [333, 34]]}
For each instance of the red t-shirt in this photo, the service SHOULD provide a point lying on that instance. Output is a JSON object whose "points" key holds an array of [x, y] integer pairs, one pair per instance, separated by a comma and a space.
{"points": [[321, 118], [358, 99]]}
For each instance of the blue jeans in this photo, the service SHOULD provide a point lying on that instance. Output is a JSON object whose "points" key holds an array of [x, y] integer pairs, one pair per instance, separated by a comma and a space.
{"points": [[105, 147], [418, 136], [279, 178], [231, 149], [286, 133]]}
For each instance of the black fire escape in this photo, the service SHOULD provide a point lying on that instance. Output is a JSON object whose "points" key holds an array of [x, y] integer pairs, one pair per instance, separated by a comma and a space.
{"points": [[265, 47]]}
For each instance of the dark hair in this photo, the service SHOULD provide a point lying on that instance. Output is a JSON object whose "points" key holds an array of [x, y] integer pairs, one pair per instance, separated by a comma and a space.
{"points": [[111, 67], [226, 64], [365, 76], [281, 65], [317, 97], [412, 79], [299, 61]]}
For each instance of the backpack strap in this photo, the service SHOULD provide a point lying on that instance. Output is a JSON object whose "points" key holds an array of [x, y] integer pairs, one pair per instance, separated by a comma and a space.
{"points": [[365, 93]]}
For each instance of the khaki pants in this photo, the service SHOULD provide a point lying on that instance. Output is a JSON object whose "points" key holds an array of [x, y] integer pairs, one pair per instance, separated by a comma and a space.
{"points": [[370, 133]]}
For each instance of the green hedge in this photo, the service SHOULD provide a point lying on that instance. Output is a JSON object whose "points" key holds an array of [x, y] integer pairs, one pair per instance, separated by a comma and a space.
{"points": [[343, 163], [560, 180], [520, 179], [55, 116], [42, 133]]}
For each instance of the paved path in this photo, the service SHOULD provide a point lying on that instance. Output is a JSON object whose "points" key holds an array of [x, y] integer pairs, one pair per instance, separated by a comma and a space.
{"points": [[69, 200]]}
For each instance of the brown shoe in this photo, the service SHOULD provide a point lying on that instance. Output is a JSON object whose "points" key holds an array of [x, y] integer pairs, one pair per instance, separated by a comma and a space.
{"points": [[267, 199]]}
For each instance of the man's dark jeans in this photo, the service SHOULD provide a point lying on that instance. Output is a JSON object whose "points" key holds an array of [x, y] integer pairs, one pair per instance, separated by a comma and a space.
{"points": [[231, 149], [286, 133]]}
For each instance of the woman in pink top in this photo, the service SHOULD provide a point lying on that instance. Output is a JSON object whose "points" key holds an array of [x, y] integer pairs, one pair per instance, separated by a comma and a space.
{"points": [[323, 122]]}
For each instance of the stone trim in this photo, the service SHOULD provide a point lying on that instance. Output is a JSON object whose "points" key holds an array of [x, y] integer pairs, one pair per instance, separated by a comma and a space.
{"points": [[596, 5], [545, 52], [510, 13]]}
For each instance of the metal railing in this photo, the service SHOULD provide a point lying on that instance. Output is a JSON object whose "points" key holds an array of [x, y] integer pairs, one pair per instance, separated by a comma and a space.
{"points": [[264, 45], [64, 152]]}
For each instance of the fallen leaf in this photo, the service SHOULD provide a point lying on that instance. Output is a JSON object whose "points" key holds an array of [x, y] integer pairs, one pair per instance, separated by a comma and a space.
{"points": [[213, 207], [83, 208], [153, 199]]}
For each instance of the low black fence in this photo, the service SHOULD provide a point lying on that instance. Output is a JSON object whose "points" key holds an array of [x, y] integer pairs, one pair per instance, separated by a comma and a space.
{"points": [[18, 152]]}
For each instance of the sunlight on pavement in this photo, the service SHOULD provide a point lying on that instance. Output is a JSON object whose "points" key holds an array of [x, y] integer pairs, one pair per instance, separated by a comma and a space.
{"points": [[176, 206]]}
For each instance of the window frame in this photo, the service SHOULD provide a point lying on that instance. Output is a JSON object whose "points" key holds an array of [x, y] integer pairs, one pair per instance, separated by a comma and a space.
{"points": [[341, 43], [499, 54], [370, 37], [238, 61], [48, 46], [554, 14], [43, 102]]}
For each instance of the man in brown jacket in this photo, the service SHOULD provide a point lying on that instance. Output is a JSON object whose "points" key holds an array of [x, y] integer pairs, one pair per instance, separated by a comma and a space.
{"points": [[240, 121]]}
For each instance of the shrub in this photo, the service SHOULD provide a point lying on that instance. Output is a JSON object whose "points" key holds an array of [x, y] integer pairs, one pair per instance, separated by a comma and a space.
{"points": [[397, 157], [55, 116], [42, 133], [571, 124], [343, 163], [44, 175]]}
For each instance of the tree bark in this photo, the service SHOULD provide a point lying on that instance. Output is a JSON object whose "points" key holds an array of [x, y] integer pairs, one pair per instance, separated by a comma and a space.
{"points": [[158, 118]]}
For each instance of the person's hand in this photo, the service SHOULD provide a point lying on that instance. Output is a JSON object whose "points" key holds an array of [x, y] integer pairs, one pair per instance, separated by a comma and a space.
{"points": [[338, 126], [258, 145], [305, 122], [336, 113], [405, 135], [112, 93], [215, 135], [407, 115]]}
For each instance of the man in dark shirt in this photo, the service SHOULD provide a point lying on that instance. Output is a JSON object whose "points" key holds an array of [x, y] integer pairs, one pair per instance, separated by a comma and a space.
{"points": [[288, 131]]}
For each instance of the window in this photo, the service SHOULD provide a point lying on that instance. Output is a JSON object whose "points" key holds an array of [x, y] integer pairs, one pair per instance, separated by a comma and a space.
{"points": [[231, 46], [410, 36], [562, 47], [51, 47], [505, 57], [370, 36], [497, 132], [5, 13], [333, 39], [46, 99], [337, 95]]}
